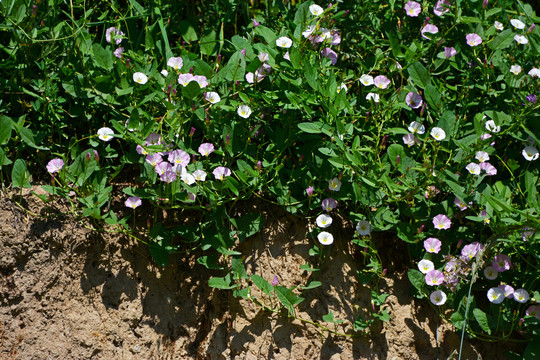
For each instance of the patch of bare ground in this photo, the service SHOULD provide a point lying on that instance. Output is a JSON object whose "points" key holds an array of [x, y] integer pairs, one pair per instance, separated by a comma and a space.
{"points": [[70, 293]]}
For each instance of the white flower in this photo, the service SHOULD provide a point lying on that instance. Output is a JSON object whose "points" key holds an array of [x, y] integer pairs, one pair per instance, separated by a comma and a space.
{"points": [[521, 296], [212, 97], [306, 33], [105, 134], [284, 42], [373, 96], [499, 26], [366, 80], [316, 10], [520, 39], [482, 156], [492, 127], [530, 153], [363, 227], [490, 273], [534, 72], [334, 184], [244, 111], [473, 168], [325, 238], [263, 56], [176, 63], [495, 295], [164, 73], [341, 87], [324, 221], [515, 69], [187, 177], [199, 175], [518, 24], [140, 78], [425, 266], [416, 127], [438, 297], [438, 134]]}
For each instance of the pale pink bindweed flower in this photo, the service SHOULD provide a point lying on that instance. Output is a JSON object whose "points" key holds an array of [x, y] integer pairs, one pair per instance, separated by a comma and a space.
{"points": [[221, 172], [530, 153], [515, 69], [473, 39], [521, 296], [185, 79], [115, 33], [434, 278], [495, 295], [533, 310], [140, 78], [105, 134], [381, 82], [501, 263], [205, 149], [473, 168], [441, 7], [411, 139], [438, 134], [413, 9], [471, 250], [199, 175], [498, 25], [55, 165], [316, 10], [329, 204], [432, 245], [414, 100], [492, 127], [334, 184], [460, 204], [330, 54], [518, 24], [154, 159], [179, 157], [175, 62], [450, 52], [133, 202], [416, 127], [482, 156], [438, 297], [520, 39], [244, 111], [425, 266], [212, 97], [366, 80], [373, 96], [429, 28], [168, 177], [534, 72], [507, 290], [488, 168], [284, 42], [163, 167], [490, 273], [118, 52], [442, 222], [201, 80], [363, 227]]}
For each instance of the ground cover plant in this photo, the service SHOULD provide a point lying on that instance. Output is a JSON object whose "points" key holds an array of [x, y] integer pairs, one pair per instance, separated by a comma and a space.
{"points": [[417, 118]]}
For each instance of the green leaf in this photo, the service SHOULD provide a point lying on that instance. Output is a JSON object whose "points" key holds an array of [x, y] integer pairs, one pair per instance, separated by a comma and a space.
{"points": [[221, 282], [383, 315], [28, 137], [307, 267], [311, 75], [330, 318], [262, 284], [287, 298], [209, 43], [532, 351], [312, 285], [482, 320], [4, 160], [314, 127], [416, 278], [419, 75], [102, 57], [433, 97], [187, 31], [503, 40], [20, 175], [248, 225], [238, 269], [5, 129], [268, 35]]}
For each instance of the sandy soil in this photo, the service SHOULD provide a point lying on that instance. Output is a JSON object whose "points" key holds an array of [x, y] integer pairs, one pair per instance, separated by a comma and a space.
{"points": [[70, 293]]}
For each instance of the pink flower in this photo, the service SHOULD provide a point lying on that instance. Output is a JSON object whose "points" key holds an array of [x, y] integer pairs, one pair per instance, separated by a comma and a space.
{"points": [[221, 172], [501, 263], [309, 191], [507, 290], [206, 149], [432, 245], [469, 251], [381, 82], [411, 139], [185, 79], [133, 202], [329, 204], [489, 169], [201, 80], [521, 296], [533, 310], [495, 295], [442, 222], [275, 280], [154, 159], [153, 139], [449, 52], [473, 39], [413, 9], [179, 157], [429, 28], [330, 54], [414, 100], [434, 278], [460, 204], [116, 34], [55, 165], [118, 52], [441, 7], [163, 167], [168, 177]]}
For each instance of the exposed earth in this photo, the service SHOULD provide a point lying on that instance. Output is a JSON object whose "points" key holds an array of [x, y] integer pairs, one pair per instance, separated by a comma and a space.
{"points": [[67, 292]]}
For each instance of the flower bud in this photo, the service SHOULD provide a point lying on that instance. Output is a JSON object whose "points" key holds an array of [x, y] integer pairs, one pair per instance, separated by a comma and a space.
{"points": [[227, 139], [256, 23], [398, 159], [259, 165], [309, 191], [192, 131], [275, 280], [485, 4]]}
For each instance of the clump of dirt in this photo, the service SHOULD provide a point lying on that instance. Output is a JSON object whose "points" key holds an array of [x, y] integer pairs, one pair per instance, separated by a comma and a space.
{"points": [[71, 293]]}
